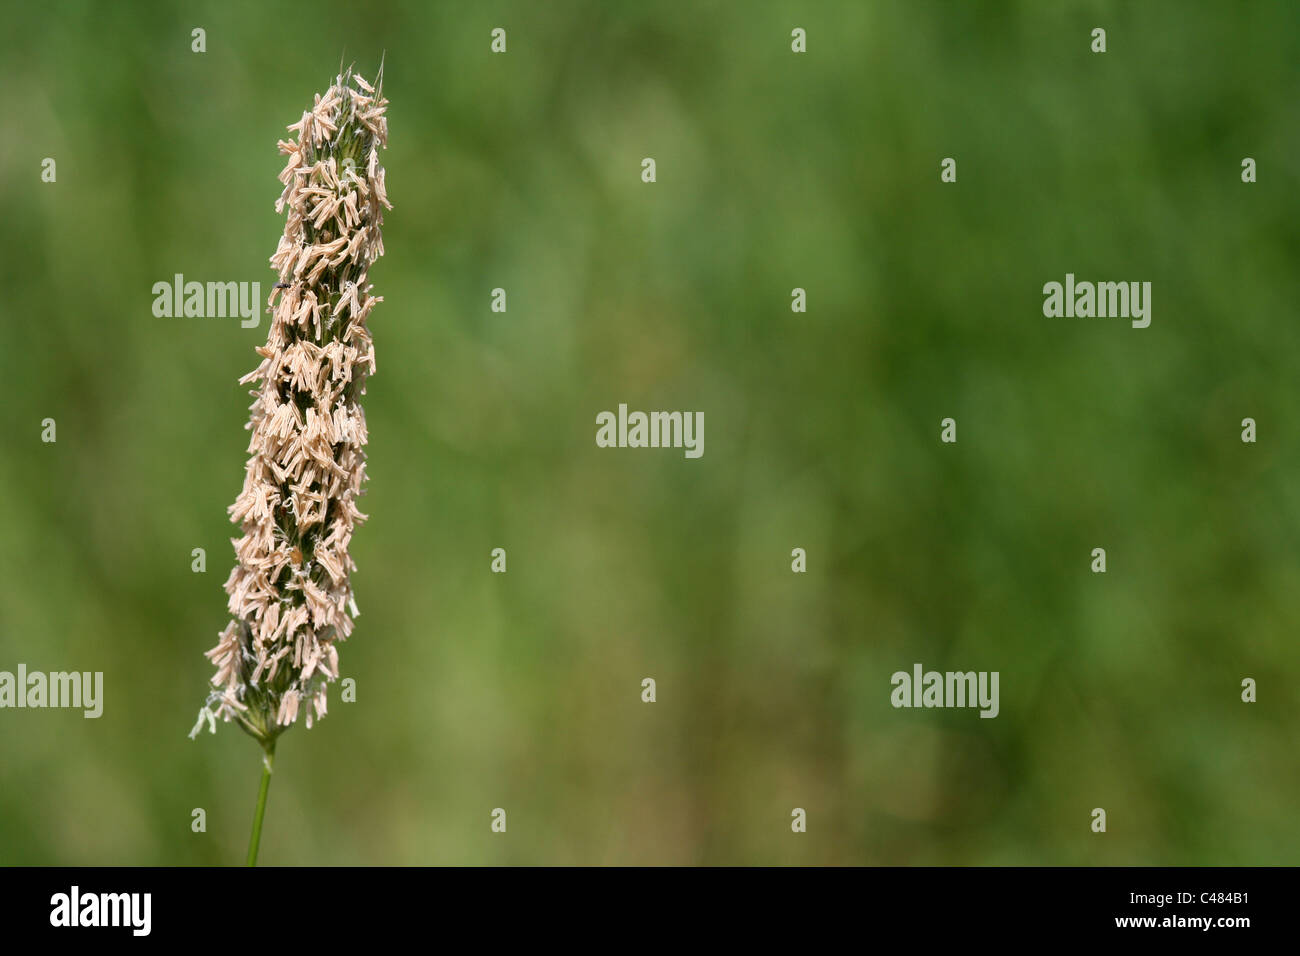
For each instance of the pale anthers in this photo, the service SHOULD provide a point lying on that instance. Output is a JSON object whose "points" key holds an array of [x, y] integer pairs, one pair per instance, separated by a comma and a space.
{"points": [[289, 592]]}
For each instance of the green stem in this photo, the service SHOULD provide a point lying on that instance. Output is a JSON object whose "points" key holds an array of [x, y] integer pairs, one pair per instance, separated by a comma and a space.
{"points": [[261, 803]]}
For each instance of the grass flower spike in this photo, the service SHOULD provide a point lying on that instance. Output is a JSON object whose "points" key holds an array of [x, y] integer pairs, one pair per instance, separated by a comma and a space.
{"points": [[290, 595]]}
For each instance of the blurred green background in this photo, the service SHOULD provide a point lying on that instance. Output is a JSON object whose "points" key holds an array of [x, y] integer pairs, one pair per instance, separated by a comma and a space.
{"points": [[775, 170]]}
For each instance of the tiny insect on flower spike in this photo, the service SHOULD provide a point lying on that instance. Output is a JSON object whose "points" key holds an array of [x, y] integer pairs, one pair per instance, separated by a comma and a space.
{"points": [[290, 597]]}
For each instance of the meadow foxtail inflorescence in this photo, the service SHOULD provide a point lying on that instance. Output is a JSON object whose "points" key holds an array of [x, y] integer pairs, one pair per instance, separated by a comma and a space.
{"points": [[290, 597]]}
